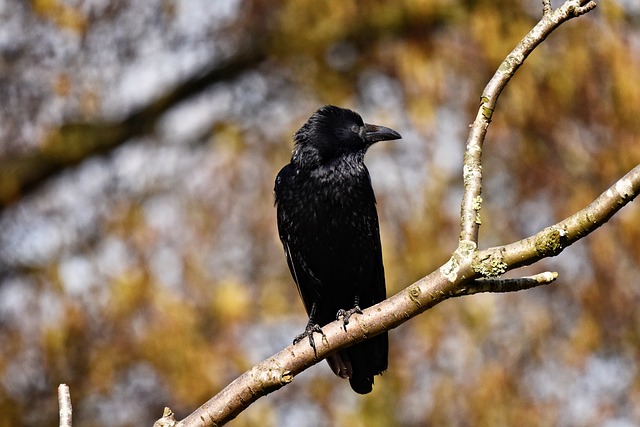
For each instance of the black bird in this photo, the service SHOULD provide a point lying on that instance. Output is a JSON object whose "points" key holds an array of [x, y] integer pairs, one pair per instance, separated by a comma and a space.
{"points": [[328, 225]]}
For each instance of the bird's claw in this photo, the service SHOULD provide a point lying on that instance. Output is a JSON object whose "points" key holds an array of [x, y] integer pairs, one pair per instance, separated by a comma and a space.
{"points": [[346, 314], [308, 332]]}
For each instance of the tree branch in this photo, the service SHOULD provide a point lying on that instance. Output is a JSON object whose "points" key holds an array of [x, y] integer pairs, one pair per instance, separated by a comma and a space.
{"points": [[508, 285], [64, 405], [468, 271], [461, 275], [552, 240], [472, 169]]}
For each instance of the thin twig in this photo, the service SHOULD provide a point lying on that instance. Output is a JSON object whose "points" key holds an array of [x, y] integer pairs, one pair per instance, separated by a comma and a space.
{"points": [[509, 285], [167, 420], [64, 403]]}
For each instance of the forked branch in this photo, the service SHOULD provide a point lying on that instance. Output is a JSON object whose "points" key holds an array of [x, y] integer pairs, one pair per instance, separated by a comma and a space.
{"points": [[464, 274], [468, 270]]}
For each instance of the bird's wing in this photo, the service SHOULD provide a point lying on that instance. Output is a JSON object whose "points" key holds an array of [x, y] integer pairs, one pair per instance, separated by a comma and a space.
{"points": [[370, 357], [377, 288], [306, 282], [292, 268]]}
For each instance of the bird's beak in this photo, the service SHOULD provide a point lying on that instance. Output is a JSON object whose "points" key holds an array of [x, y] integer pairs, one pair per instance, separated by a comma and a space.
{"points": [[375, 133]]}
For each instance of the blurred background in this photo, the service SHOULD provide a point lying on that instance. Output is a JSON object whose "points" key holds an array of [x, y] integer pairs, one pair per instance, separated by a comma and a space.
{"points": [[139, 257]]}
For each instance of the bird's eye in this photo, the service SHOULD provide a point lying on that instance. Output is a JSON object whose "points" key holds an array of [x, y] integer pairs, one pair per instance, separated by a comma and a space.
{"points": [[355, 128]]}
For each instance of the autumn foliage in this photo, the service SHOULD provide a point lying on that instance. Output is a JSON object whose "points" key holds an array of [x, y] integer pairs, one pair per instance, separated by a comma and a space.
{"points": [[143, 268]]}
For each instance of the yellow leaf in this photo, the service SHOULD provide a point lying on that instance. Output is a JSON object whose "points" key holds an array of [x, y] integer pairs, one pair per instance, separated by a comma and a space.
{"points": [[60, 14]]}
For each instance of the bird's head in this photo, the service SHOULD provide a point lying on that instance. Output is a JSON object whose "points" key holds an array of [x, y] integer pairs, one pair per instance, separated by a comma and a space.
{"points": [[332, 132]]}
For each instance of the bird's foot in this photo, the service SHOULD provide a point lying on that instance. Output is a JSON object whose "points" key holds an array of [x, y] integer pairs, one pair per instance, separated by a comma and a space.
{"points": [[308, 332], [346, 314]]}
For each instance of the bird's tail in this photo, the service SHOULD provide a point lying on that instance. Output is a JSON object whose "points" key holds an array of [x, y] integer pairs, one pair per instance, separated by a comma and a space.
{"points": [[362, 362]]}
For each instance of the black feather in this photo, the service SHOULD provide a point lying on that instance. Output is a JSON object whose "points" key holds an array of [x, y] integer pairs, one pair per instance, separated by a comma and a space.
{"points": [[328, 225]]}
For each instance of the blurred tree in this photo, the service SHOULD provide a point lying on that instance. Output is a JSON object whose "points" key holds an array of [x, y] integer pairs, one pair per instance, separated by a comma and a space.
{"points": [[138, 147]]}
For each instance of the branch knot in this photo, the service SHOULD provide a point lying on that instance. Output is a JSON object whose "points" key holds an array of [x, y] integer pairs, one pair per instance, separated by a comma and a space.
{"points": [[490, 263], [550, 242]]}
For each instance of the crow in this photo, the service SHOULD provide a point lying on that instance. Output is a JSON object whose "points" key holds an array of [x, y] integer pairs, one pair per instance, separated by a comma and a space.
{"points": [[328, 225]]}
